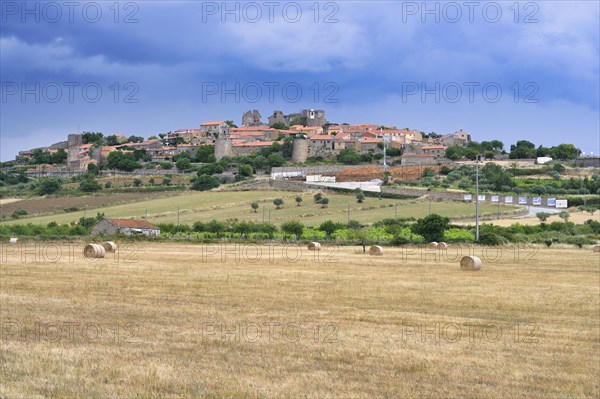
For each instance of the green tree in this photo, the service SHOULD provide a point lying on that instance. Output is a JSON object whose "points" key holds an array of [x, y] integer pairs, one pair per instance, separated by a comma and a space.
{"points": [[183, 164], [231, 124], [93, 169], [543, 216], [348, 157], [137, 182], [565, 152], [254, 206], [329, 227], [92, 138], [298, 199], [48, 186], [324, 202], [522, 149], [317, 197], [279, 126], [278, 202], [275, 160], [205, 183], [497, 145], [60, 156], [495, 175], [122, 161], [564, 215], [112, 140], [293, 227], [431, 227], [299, 120], [245, 171], [135, 139], [206, 154], [89, 184]]}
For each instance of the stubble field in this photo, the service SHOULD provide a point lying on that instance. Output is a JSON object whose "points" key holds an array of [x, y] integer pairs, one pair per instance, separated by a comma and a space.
{"points": [[166, 320]]}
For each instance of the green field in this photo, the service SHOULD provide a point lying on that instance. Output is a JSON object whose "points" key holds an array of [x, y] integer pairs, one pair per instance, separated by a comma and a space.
{"points": [[194, 206]]}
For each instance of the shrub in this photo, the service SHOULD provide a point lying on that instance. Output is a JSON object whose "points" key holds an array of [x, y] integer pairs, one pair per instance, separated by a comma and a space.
{"points": [[205, 183], [89, 185], [489, 238], [48, 186], [18, 213], [458, 235], [431, 227], [293, 227]]}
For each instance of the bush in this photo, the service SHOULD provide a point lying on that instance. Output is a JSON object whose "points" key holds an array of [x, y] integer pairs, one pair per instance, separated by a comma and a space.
{"points": [[18, 213], [48, 186], [431, 227], [205, 183], [489, 238], [293, 227], [89, 185], [458, 235], [108, 184]]}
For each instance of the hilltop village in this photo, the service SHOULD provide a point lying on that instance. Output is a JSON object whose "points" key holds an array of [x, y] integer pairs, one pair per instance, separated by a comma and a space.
{"points": [[312, 137]]}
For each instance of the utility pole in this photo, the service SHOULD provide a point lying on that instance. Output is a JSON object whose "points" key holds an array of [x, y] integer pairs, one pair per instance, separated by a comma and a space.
{"points": [[477, 198], [348, 212]]}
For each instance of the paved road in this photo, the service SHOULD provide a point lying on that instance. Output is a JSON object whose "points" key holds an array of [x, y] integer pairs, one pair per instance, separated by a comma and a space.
{"points": [[532, 210]]}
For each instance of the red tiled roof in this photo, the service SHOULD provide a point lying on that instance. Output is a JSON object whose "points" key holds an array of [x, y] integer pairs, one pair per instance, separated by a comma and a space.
{"points": [[321, 137], [417, 155], [133, 224], [212, 123], [254, 144], [369, 140]]}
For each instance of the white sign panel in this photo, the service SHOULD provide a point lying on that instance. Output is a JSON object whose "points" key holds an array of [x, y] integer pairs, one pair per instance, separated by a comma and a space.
{"points": [[508, 199], [468, 197], [551, 201], [562, 204], [537, 200], [481, 197], [495, 198], [522, 200]]}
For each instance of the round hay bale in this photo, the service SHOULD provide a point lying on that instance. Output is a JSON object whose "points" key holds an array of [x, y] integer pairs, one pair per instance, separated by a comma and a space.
{"points": [[13, 241], [94, 251], [443, 246], [109, 246], [376, 250], [433, 245], [597, 248], [470, 263], [314, 246]]}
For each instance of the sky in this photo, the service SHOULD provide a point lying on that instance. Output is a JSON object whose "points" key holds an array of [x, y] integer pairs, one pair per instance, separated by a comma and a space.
{"points": [[497, 70]]}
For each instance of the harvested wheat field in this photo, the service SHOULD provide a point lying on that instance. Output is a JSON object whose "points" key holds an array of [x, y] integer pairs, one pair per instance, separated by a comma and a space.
{"points": [[166, 320]]}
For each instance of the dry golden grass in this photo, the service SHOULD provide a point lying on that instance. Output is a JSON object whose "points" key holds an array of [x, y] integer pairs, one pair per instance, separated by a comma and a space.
{"points": [[172, 324]]}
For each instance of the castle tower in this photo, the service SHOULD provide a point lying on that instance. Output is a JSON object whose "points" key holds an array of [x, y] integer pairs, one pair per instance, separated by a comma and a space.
{"points": [[252, 118], [223, 148], [300, 150]]}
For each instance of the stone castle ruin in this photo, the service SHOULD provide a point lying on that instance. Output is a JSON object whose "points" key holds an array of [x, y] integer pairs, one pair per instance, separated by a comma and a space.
{"points": [[252, 118], [313, 117]]}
